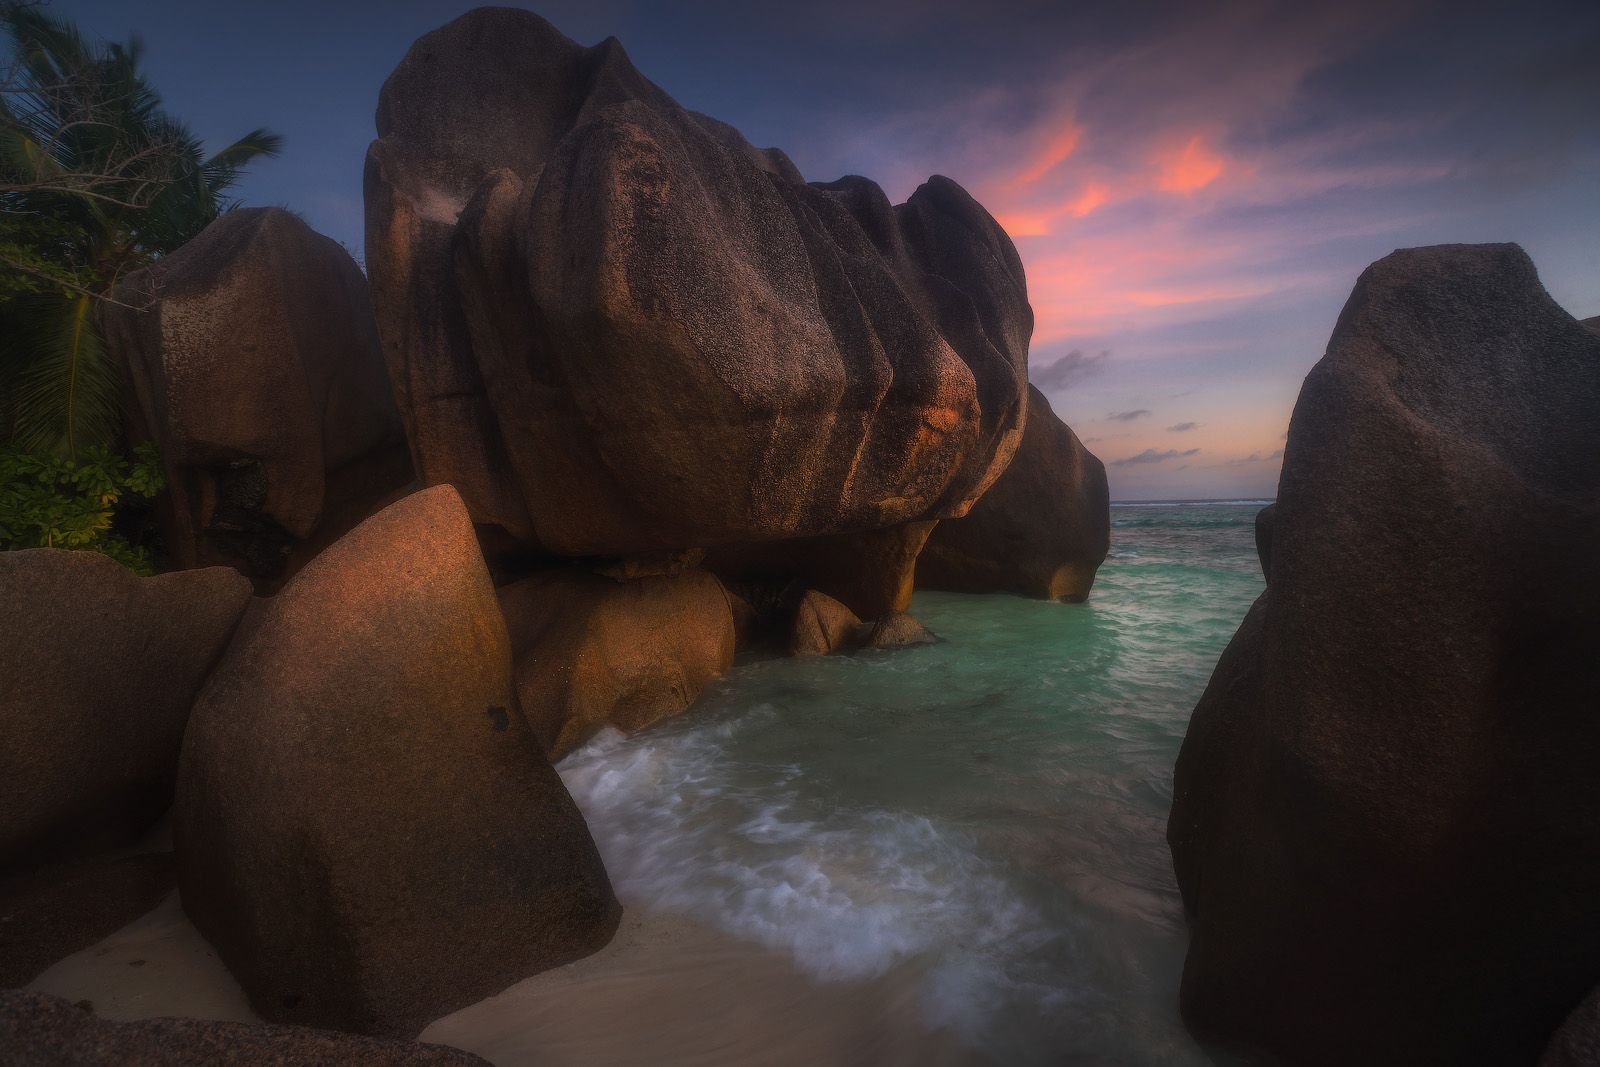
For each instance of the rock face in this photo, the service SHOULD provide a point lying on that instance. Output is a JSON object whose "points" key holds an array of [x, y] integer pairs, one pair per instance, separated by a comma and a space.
{"points": [[1042, 530], [822, 626], [366, 829], [1384, 812], [618, 328], [254, 365], [1577, 1043], [98, 668], [592, 652], [37, 1030]]}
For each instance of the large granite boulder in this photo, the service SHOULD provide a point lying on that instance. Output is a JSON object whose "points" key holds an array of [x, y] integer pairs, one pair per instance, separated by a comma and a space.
{"points": [[593, 652], [253, 363], [98, 668], [367, 831], [1384, 815], [37, 1030], [619, 328], [1042, 530]]}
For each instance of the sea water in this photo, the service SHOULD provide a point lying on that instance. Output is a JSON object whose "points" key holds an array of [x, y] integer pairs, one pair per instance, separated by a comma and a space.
{"points": [[982, 820]]}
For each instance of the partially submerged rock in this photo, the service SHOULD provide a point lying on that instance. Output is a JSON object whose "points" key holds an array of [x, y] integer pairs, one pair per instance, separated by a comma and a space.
{"points": [[1042, 530], [618, 328], [898, 630], [822, 626], [1384, 812], [1265, 518], [367, 831], [255, 367], [593, 652], [98, 668], [37, 1030]]}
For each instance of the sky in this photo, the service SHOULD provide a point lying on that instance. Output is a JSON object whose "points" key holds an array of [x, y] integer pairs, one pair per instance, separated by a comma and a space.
{"points": [[1193, 187]]}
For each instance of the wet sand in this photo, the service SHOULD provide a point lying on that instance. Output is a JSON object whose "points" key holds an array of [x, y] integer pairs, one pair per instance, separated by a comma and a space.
{"points": [[665, 991]]}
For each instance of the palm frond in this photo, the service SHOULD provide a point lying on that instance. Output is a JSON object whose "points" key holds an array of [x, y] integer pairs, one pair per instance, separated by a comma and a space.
{"points": [[64, 385]]}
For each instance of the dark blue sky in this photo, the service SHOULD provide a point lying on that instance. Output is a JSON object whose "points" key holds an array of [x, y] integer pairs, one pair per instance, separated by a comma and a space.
{"points": [[1193, 187]]}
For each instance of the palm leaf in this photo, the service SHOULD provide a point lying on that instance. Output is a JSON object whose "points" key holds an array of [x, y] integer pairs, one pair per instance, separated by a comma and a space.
{"points": [[63, 384]]}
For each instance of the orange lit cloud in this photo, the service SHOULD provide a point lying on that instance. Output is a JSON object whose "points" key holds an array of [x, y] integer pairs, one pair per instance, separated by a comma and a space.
{"points": [[1052, 155], [1189, 168]]}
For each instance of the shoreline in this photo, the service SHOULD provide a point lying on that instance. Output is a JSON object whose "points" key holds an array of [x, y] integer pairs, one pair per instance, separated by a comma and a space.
{"points": [[666, 990]]}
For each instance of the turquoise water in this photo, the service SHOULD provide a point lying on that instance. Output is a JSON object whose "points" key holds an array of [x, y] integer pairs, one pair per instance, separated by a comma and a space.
{"points": [[980, 821]]}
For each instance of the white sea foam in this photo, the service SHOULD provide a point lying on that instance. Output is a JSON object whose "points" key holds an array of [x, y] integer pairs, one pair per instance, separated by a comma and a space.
{"points": [[847, 894]]}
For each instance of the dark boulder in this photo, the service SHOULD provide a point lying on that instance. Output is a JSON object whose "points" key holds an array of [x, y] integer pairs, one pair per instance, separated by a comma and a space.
{"points": [[1384, 812], [98, 668], [1264, 520], [872, 572], [618, 328], [253, 363], [1042, 530], [593, 652], [366, 829], [37, 1030]]}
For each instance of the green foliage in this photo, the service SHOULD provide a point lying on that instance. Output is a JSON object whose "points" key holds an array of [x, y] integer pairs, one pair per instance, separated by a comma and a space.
{"points": [[96, 181], [49, 501]]}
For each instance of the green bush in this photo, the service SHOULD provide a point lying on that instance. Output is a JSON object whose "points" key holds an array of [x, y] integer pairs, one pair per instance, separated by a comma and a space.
{"points": [[49, 501]]}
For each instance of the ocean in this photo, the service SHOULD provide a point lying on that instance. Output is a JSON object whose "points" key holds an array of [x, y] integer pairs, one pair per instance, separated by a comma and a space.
{"points": [[979, 823]]}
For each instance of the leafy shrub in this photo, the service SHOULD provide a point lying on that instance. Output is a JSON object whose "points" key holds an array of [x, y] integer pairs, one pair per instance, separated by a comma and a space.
{"points": [[49, 501]]}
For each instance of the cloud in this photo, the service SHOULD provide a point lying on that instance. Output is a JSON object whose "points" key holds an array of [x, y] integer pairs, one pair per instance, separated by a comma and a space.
{"points": [[1070, 369], [1183, 427], [1128, 416], [1257, 457], [1150, 455]]}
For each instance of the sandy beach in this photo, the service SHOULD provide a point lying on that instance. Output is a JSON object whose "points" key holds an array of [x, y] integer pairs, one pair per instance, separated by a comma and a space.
{"points": [[665, 991]]}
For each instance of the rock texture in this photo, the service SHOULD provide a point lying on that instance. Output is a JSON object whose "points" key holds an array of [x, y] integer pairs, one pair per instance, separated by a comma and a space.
{"points": [[822, 626], [592, 652], [98, 668], [618, 328], [37, 1030], [1042, 530], [46, 916], [897, 631], [1577, 1043], [366, 829], [254, 365], [1384, 812]]}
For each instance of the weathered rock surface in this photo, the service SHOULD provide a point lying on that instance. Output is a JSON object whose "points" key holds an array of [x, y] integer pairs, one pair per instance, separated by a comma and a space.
{"points": [[897, 631], [593, 652], [37, 1030], [366, 829], [618, 328], [1577, 1043], [47, 915], [1384, 812], [822, 626], [1592, 325], [98, 668], [1042, 530], [872, 572], [254, 365]]}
